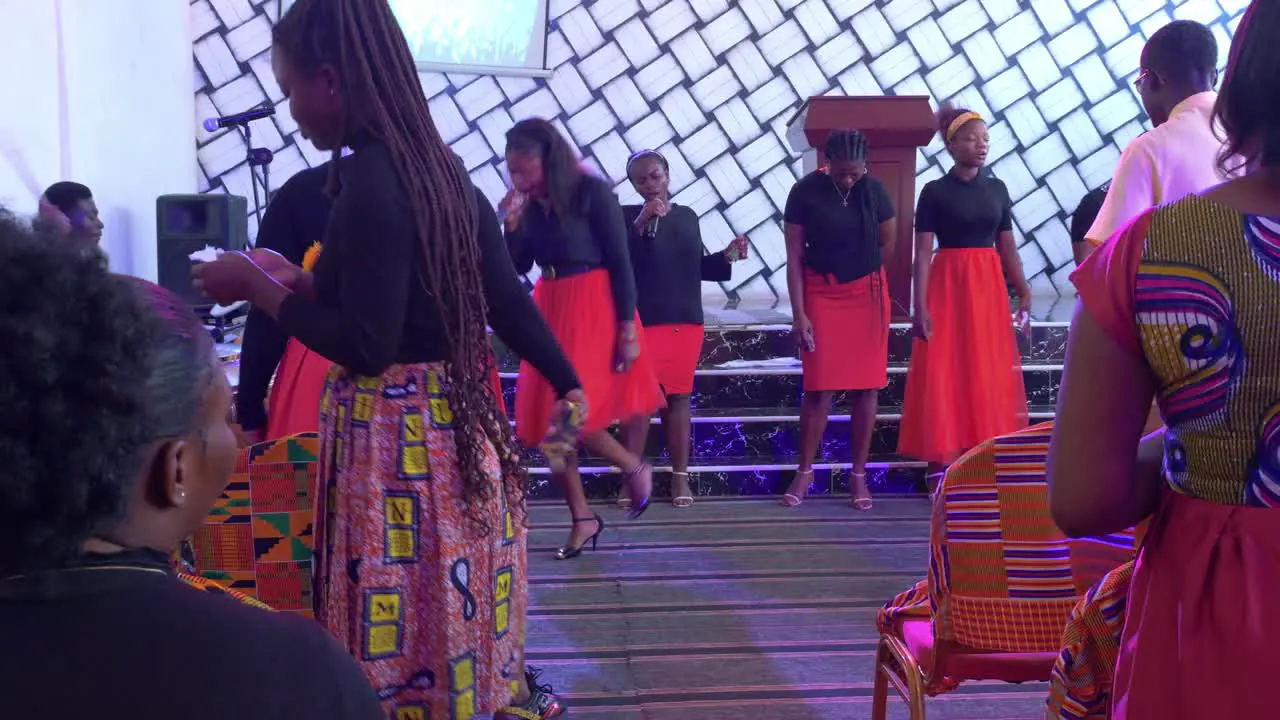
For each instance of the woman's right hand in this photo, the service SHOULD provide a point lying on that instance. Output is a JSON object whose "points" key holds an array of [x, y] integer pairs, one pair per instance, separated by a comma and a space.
{"points": [[802, 331], [277, 266], [922, 325], [657, 207], [511, 208]]}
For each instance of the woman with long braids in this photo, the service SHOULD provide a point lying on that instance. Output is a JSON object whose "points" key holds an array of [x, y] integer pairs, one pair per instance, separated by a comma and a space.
{"points": [[420, 535], [570, 223], [964, 384], [839, 225]]}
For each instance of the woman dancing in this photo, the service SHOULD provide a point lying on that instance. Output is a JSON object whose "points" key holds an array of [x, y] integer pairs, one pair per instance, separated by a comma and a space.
{"points": [[1181, 306], [420, 543], [964, 383], [839, 226], [570, 223], [666, 252]]}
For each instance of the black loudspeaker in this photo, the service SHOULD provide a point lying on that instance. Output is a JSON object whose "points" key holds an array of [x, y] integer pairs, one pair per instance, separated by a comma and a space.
{"points": [[187, 223]]}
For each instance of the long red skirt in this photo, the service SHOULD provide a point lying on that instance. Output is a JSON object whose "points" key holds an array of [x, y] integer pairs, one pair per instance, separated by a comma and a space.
{"points": [[294, 404], [581, 314], [675, 350], [964, 385], [850, 333], [1200, 628]]}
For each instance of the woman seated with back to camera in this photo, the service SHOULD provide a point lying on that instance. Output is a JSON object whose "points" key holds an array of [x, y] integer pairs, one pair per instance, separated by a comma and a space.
{"points": [[114, 445]]}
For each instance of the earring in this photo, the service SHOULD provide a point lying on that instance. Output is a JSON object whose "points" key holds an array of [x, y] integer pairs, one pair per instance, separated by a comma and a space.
{"points": [[180, 495]]}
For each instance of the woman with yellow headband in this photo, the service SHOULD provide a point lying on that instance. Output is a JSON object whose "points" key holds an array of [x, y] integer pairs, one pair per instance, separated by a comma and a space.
{"points": [[965, 383]]}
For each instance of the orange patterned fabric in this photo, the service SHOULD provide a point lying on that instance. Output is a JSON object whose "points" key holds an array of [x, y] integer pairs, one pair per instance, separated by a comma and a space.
{"points": [[207, 585], [257, 539], [1080, 686]]}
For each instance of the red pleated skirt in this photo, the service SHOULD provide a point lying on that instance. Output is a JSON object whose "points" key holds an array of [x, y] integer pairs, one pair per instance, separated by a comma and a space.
{"points": [[580, 311], [674, 350], [1200, 624], [964, 384], [294, 404], [850, 333]]}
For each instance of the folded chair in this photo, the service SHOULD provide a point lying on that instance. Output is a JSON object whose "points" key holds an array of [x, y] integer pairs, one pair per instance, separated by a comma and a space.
{"points": [[1002, 579]]}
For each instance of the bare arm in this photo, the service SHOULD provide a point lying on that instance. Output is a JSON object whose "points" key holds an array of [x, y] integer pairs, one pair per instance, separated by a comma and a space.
{"points": [[920, 283], [1081, 251], [1012, 263], [794, 235], [888, 239]]}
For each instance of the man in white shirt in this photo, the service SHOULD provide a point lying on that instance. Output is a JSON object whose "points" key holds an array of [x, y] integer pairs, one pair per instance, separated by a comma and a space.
{"points": [[1179, 157]]}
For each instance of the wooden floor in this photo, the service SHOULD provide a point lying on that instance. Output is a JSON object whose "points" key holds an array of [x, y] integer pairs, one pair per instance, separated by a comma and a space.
{"points": [[735, 608]]}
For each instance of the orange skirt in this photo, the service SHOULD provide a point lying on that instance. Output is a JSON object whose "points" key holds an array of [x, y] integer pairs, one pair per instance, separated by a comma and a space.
{"points": [[294, 404], [674, 350], [850, 333], [580, 311], [964, 385]]}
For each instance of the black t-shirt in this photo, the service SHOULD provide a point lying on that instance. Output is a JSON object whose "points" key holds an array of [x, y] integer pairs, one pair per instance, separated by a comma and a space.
{"points": [[964, 213], [594, 235], [138, 644], [1082, 219], [372, 307], [671, 267], [839, 240], [295, 219]]}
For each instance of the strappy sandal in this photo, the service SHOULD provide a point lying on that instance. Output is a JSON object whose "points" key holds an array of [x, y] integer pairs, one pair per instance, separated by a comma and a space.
{"points": [[791, 499], [543, 704], [682, 501], [633, 510], [862, 503], [569, 553]]}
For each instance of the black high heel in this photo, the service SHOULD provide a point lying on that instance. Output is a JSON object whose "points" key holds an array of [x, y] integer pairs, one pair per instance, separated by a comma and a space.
{"points": [[637, 509], [568, 553]]}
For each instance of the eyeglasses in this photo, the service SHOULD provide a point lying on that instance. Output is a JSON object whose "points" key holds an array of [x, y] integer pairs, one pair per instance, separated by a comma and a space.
{"points": [[1141, 79]]}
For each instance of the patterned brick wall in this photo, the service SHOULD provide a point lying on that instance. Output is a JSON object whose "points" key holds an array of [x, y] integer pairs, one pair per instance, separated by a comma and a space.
{"points": [[711, 83]]}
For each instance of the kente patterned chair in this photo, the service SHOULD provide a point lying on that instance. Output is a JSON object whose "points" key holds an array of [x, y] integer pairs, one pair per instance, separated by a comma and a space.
{"points": [[257, 539], [1002, 579]]}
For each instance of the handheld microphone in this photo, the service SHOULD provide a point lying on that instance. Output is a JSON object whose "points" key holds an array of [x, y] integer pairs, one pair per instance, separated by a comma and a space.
{"points": [[240, 118], [651, 228]]}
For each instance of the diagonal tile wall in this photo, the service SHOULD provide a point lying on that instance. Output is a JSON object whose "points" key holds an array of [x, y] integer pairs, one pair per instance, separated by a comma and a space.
{"points": [[711, 83]]}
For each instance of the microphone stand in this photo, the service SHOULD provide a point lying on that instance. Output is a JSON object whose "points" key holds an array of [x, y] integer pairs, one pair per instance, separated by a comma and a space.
{"points": [[257, 158]]}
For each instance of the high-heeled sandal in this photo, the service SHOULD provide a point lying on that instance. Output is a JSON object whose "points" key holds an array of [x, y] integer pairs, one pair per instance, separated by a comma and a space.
{"points": [[861, 503], [543, 703], [567, 553], [636, 509], [791, 499], [682, 501]]}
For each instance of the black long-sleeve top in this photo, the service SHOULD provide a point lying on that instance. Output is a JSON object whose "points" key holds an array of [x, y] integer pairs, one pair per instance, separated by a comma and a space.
{"points": [[372, 306], [594, 235], [295, 219], [670, 267]]}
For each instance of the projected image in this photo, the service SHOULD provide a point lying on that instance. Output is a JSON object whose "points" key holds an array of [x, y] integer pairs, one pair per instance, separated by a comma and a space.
{"points": [[496, 33]]}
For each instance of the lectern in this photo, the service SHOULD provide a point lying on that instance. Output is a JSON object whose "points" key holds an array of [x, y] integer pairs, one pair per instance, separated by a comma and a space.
{"points": [[895, 128]]}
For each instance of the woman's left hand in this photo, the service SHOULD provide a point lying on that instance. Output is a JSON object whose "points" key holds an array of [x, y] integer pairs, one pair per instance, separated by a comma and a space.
{"points": [[1022, 319], [737, 249], [626, 347], [228, 279]]}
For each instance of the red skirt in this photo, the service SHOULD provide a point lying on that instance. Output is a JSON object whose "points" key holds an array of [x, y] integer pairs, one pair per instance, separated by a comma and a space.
{"points": [[964, 385], [294, 404], [674, 350], [850, 333], [580, 311], [1200, 629]]}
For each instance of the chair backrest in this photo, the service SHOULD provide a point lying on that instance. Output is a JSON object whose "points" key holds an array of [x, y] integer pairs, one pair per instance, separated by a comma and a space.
{"points": [[257, 539], [1002, 577]]}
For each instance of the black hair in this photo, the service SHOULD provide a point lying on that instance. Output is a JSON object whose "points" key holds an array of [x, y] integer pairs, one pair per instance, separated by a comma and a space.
{"points": [[947, 114], [559, 163], [1247, 109], [644, 154], [845, 146], [1184, 53], [67, 196], [95, 368]]}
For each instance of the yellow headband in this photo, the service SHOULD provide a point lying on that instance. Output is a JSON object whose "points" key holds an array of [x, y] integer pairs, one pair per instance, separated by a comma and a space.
{"points": [[959, 122]]}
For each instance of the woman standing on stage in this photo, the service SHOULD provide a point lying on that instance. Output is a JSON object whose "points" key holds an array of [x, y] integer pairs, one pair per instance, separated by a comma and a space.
{"points": [[421, 547], [964, 384], [666, 252], [839, 226], [570, 223]]}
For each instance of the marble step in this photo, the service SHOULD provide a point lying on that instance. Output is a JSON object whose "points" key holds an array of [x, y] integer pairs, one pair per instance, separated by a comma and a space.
{"points": [[778, 386], [735, 476], [1046, 343]]}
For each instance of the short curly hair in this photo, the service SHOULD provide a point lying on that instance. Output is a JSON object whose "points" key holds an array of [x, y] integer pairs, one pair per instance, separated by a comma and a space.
{"points": [[95, 368], [1184, 51]]}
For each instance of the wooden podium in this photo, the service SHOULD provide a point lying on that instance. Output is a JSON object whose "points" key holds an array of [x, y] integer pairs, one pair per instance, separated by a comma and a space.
{"points": [[895, 128]]}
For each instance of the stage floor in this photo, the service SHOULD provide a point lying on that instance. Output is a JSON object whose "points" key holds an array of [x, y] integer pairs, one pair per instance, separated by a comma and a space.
{"points": [[1045, 309]]}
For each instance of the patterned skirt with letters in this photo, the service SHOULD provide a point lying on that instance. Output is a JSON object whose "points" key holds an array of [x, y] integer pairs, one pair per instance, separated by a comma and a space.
{"points": [[428, 595]]}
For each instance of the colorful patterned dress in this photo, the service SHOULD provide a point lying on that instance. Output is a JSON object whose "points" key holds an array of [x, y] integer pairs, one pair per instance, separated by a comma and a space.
{"points": [[1194, 289]]}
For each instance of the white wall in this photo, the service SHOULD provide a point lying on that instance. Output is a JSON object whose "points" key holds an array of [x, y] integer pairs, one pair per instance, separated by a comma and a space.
{"points": [[100, 92]]}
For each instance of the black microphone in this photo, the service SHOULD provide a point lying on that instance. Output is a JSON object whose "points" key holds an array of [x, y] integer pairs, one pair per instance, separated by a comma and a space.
{"points": [[240, 118], [651, 228]]}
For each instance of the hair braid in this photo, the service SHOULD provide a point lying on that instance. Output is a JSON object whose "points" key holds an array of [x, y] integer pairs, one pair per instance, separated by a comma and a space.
{"points": [[383, 96]]}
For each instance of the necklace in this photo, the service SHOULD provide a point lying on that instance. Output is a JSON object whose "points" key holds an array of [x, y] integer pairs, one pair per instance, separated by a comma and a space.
{"points": [[844, 197]]}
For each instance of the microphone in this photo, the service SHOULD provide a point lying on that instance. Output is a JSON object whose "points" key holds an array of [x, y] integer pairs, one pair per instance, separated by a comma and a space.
{"points": [[240, 118], [651, 228]]}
